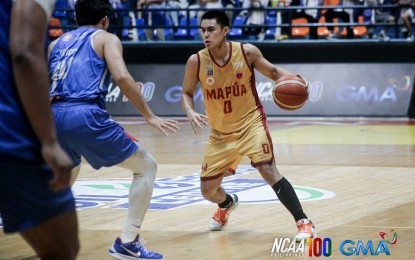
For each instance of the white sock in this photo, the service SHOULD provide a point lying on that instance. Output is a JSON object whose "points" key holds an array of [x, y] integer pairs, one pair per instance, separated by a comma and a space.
{"points": [[130, 231], [144, 167]]}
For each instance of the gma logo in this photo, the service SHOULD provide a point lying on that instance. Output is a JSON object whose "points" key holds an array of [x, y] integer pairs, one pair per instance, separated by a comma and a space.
{"points": [[348, 248]]}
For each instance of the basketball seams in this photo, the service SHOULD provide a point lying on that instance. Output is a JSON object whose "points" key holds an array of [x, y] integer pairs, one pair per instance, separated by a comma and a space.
{"points": [[286, 106], [290, 81]]}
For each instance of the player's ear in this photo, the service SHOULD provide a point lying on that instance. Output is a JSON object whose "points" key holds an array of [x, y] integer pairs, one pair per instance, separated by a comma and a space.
{"points": [[226, 30], [104, 21]]}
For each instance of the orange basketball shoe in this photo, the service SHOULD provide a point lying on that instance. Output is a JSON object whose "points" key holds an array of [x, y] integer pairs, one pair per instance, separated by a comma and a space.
{"points": [[305, 230], [220, 217]]}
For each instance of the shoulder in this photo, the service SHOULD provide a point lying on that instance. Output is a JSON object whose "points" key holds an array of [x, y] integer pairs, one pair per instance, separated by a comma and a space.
{"points": [[104, 40], [251, 51], [249, 48], [106, 37], [193, 59]]}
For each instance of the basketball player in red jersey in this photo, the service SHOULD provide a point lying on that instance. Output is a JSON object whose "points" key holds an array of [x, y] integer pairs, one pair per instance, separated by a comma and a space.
{"points": [[225, 71]]}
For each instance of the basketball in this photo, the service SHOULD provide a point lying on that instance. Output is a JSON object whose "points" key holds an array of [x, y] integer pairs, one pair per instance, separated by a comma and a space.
{"points": [[290, 92]]}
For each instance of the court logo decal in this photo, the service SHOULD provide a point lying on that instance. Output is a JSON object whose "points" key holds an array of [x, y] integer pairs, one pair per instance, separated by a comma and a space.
{"points": [[181, 191]]}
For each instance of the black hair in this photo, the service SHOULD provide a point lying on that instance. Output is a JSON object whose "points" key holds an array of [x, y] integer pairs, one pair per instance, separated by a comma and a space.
{"points": [[90, 12], [221, 17]]}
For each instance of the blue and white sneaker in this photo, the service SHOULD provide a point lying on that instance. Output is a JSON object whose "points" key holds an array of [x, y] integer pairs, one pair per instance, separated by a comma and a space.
{"points": [[132, 250]]}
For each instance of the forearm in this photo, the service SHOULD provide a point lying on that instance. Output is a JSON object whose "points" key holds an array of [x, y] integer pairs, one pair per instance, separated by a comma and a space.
{"points": [[187, 103], [133, 93], [278, 72]]}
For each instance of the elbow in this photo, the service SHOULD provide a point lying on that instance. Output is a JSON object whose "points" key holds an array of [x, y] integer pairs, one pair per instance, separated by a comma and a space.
{"points": [[22, 58], [122, 79], [24, 53]]}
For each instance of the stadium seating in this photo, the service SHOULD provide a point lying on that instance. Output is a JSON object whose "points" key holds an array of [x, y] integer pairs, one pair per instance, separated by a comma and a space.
{"points": [[55, 33]]}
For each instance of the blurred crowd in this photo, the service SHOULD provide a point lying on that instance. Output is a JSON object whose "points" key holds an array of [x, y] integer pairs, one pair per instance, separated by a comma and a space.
{"points": [[161, 20]]}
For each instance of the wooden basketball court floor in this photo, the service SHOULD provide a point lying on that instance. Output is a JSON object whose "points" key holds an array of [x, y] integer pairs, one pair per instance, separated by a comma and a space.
{"points": [[354, 176]]}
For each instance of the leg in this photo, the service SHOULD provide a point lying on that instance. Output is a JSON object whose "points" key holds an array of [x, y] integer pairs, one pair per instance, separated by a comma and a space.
{"points": [[144, 168], [160, 34], [283, 189], [345, 16], [149, 34], [313, 29], [286, 194], [213, 191], [56, 238], [222, 162], [406, 19], [329, 15]]}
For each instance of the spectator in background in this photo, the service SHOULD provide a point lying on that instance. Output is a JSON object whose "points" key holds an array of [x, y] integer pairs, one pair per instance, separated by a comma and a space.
{"points": [[379, 16], [407, 13], [255, 18], [231, 4], [70, 14], [117, 18], [281, 33], [205, 4], [153, 17], [344, 14], [174, 15], [312, 15]]}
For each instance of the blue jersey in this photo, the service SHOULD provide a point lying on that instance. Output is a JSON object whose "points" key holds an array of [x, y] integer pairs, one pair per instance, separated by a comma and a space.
{"points": [[17, 139], [77, 73]]}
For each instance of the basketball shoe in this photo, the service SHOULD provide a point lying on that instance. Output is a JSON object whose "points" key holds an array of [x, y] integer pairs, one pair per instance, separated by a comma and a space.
{"points": [[305, 230], [220, 217], [132, 250]]}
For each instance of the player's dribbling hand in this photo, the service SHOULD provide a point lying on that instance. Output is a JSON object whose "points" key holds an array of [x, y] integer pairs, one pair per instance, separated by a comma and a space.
{"points": [[60, 164], [164, 125], [197, 121]]}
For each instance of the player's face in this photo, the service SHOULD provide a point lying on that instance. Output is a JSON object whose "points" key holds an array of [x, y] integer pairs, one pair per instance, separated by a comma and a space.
{"points": [[213, 35]]}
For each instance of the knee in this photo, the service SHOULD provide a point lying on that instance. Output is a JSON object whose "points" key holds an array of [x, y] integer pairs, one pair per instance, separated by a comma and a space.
{"points": [[144, 163], [150, 165]]}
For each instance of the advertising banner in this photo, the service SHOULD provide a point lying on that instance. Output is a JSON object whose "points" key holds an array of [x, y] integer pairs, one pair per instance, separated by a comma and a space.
{"points": [[352, 89]]}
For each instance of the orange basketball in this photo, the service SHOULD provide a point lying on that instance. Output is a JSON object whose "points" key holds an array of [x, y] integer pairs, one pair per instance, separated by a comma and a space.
{"points": [[290, 92]]}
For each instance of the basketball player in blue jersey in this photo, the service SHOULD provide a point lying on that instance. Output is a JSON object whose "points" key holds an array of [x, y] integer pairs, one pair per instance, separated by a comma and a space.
{"points": [[235, 114], [35, 198], [81, 63]]}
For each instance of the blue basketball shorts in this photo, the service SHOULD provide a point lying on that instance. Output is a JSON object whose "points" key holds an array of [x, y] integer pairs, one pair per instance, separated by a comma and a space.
{"points": [[26, 199], [85, 129]]}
